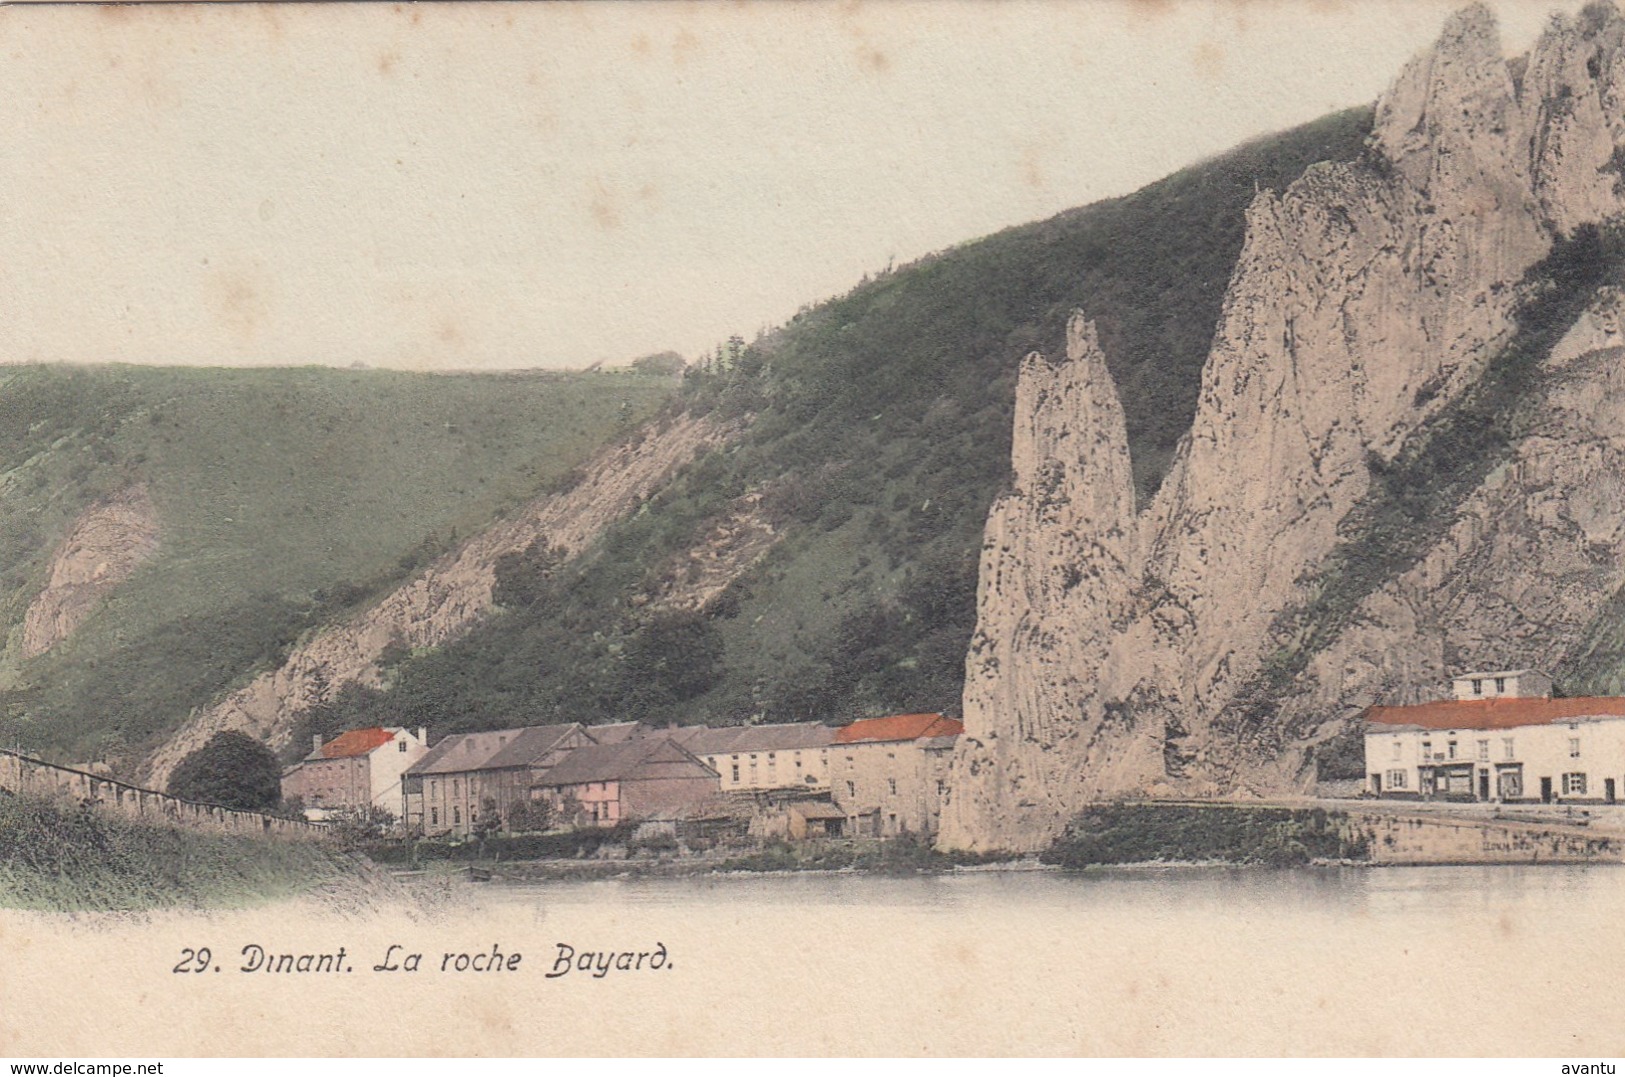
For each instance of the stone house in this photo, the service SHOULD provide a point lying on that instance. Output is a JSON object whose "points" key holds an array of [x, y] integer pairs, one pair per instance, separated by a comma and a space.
{"points": [[605, 784], [358, 768], [470, 774], [889, 775], [749, 758], [1497, 741]]}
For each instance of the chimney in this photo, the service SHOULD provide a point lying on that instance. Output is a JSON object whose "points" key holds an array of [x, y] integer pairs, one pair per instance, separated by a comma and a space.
{"points": [[423, 735], [316, 743]]}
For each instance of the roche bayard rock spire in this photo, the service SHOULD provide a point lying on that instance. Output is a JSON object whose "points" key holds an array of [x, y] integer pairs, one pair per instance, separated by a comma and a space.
{"points": [[1059, 570], [1368, 298]]}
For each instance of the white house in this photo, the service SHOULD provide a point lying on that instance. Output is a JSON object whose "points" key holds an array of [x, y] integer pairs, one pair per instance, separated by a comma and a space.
{"points": [[358, 768], [1516, 683], [1502, 738]]}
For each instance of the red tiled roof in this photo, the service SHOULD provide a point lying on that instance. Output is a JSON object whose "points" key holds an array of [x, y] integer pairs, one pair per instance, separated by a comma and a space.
{"points": [[900, 727], [1503, 713], [356, 742]]}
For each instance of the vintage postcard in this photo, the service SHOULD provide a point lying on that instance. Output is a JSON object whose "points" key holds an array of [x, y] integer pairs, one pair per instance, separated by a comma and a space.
{"points": [[739, 529]]}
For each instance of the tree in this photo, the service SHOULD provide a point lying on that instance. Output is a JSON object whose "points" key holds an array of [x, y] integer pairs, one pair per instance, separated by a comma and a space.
{"points": [[530, 817], [232, 770], [490, 820], [675, 657], [354, 825]]}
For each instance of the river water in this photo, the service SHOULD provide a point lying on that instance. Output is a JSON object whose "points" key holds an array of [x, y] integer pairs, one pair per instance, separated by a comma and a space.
{"points": [[1435, 961]]}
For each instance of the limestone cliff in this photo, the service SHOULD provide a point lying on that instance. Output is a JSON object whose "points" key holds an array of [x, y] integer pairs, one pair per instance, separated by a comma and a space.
{"points": [[447, 598], [107, 543], [1367, 300]]}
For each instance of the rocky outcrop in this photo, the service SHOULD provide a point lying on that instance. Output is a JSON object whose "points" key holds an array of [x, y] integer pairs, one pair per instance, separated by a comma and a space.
{"points": [[1367, 299], [1528, 563], [449, 597], [107, 543], [728, 549]]}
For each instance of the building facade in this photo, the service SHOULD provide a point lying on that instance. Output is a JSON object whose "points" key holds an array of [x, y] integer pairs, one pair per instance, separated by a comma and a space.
{"points": [[757, 758], [606, 784], [470, 776], [889, 775], [1510, 683], [358, 768], [1494, 745]]}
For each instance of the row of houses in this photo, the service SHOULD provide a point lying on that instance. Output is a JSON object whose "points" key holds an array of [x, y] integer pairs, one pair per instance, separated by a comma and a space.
{"points": [[1501, 737], [877, 777]]}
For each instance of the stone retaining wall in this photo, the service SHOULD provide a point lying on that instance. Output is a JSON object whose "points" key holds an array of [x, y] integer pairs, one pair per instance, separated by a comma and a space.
{"points": [[1398, 838], [22, 774]]}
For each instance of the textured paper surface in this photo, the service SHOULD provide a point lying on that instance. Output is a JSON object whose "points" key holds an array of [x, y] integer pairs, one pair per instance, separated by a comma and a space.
{"points": [[816, 977]]}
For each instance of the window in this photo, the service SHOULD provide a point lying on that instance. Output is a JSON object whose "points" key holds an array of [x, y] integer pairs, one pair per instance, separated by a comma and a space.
{"points": [[456, 787], [1484, 750], [1451, 749], [942, 787], [736, 772], [456, 817], [1427, 749], [434, 788], [1500, 685], [770, 756], [434, 816], [1574, 747], [400, 745], [891, 786], [1478, 687], [1398, 747], [1396, 779], [851, 789], [1574, 785], [1506, 749]]}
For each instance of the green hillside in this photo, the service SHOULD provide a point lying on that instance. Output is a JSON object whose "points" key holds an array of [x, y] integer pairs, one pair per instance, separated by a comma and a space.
{"points": [[285, 497], [881, 434]]}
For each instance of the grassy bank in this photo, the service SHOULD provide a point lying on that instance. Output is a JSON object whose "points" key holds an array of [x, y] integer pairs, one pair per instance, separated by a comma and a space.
{"points": [[1141, 833], [80, 861]]}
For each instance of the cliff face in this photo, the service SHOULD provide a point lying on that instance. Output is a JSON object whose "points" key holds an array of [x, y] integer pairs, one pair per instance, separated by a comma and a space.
{"points": [[1121, 652], [447, 598], [107, 543]]}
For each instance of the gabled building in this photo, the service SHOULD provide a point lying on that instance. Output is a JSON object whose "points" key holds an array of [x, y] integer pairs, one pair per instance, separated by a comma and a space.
{"points": [[469, 775], [358, 768], [889, 775], [1499, 741], [605, 784], [753, 758]]}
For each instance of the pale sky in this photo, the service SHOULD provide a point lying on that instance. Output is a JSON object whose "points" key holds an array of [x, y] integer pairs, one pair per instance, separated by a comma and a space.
{"points": [[511, 185]]}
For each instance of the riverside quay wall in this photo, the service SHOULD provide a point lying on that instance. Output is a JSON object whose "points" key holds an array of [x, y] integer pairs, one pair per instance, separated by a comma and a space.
{"points": [[35, 777]]}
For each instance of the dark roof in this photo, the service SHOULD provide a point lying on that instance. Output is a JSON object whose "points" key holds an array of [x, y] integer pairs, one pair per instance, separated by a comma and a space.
{"points": [[1504, 712], [464, 751], [532, 743], [616, 732], [817, 809], [900, 727], [702, 740], [634, 760]]}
